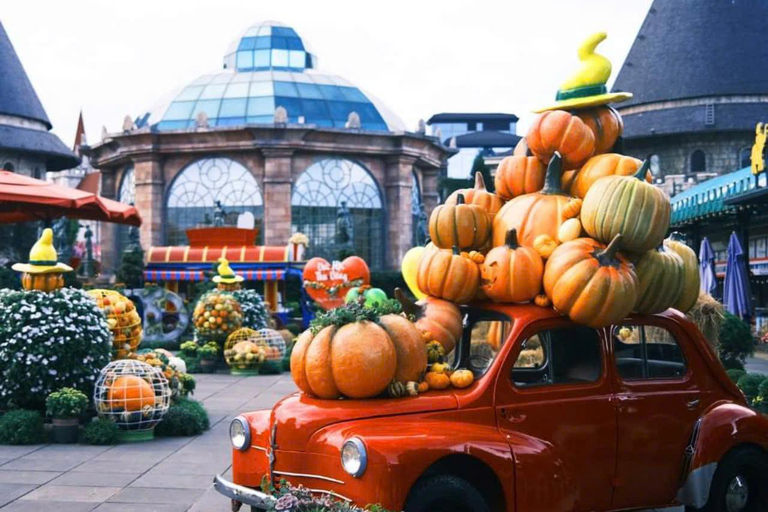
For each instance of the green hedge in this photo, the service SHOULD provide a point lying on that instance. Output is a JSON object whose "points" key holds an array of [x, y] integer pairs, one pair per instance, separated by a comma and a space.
{"points": [[22, 426], [100, 432], [185, 417]]}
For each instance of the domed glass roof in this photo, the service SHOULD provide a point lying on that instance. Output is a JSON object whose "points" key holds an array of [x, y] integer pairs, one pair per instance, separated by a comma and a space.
{"points": [[269, 66]]}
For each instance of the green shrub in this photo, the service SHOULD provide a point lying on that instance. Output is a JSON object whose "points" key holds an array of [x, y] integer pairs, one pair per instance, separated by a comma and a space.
{"points": [[66, 403], [736, 341], [735, 374], [22, 426], [184, 418], [209, 351], [255, 314], [100, 431], [763, 389], [750, 383]]}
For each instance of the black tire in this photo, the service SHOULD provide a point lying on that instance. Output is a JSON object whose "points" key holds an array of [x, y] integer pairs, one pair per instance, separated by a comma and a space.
{"points": [[748, 463], [445, 493]]}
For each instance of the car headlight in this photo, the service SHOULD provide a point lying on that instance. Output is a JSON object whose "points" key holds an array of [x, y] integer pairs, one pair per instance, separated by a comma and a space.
{"points": [[354, 457], [240, 433]]}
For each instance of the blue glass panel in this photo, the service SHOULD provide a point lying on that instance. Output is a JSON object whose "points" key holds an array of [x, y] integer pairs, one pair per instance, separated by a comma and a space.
{"points": [[340, 110], [230, 121], [353, 94], [247, 43], [263, 42], [294, 43], [178, 110], [309, 91], [261, 59], [381, 127], [210, 107], [237, 90], [261, 106], [245, 60], [261, 89], [367, 112], [296, 59], [172, 125], [283, 32], [320, 121], [314, 109], [190, 93], [279, 58], [310, 62], [233, 107], [213, 91], [331, 92], [292, 105], [285, 89], [279, 43], [266, 30], [261, 119]]}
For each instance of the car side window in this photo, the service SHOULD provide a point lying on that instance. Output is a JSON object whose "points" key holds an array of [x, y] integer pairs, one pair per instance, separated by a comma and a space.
{"points": [[646, 352], [563, 356], [486, 337]]}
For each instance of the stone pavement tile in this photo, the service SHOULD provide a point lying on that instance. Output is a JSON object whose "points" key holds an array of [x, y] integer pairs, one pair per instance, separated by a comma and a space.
{"points": [[116, 466], [64, 451], [27, 477], [58, 506], [24, 464], [153, 495], [50, 492], [12, 452], [208, 470], [141, 507], [166, 480], [96, 479], [147, 457], [212, 501], [10, 492]]}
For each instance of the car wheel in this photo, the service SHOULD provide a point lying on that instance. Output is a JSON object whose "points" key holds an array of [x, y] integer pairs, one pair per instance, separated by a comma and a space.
{"points": [[740, 483], [445, 493]]}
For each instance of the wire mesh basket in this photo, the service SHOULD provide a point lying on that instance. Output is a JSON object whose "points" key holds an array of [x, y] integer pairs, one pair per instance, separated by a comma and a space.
{"points": [[243, 352], [123, 321], [274, 347], [133, 395], [217, 314]]}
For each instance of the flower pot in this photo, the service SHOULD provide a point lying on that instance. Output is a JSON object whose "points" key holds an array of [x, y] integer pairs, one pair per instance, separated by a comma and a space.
{"points": [[208, 365], [65, 430]]}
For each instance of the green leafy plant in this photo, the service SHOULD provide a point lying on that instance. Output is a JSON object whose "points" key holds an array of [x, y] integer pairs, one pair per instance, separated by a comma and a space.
{"points": [[209, 351], [736, 341], [184, 418], [255, 314], [735, 374], [762, 389], [100, 432], [66, 403], [750, 384], [22, 426], [190, 348]]}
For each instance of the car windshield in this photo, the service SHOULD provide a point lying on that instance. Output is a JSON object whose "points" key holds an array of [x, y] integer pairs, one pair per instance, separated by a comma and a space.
{"points": [[485, 333]]}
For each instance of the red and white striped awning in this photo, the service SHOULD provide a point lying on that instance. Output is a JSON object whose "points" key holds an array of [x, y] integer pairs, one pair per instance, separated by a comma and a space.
{"points": [[261, 275], [174, 275]]}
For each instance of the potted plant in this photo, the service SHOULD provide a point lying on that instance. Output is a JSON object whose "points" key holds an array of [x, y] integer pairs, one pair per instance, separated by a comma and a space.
{"points": [[65, 406], [209, 355]]}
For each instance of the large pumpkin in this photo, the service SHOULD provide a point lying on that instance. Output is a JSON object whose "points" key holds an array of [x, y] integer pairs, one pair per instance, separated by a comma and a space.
{"points": [[43, 282], [461, 225], [562, 132], [606, 125], [590, 283], [438, 319], [600, 166], [357, 360], [691, 279], [534, 214], [445, 273], [479, 196], [130, 393], [518, 175], [511, 273], [660, 275], [409, 346], [627, 205]]}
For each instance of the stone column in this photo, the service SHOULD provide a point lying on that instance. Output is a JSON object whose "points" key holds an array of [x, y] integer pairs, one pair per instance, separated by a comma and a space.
{"points": [[430, 195], [399, 180], [277, 196], [150, 200], [108, 231]]}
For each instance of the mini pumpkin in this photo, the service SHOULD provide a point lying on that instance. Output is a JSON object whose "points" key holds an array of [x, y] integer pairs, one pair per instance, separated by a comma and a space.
{"points": [[691, 280], [435, 352], [423, 387], [545, 245], [448, 275], [440, 368], [600, 166], [518, 175], [569, 230], [606, 125], [475, 256], [512, 273], [572, 208], [437, 380], [438, 320], [562, 132], [542, 300], [479, 196], [661, 276], [462, 378], [466, 226]]}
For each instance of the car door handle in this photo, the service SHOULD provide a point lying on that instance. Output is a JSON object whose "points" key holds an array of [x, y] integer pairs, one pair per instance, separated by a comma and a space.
{"points": [[693, 404]]}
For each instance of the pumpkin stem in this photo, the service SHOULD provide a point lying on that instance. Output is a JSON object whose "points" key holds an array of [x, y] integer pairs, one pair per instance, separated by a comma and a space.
{"points": [[642, 172], [511, 239], [606, 256], [410, 308], [460, 199], [552, 180], [456, 250], [479, 181]]}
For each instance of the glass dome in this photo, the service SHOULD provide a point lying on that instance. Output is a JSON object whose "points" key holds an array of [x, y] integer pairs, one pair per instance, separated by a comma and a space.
{"points": [[270, 66]]}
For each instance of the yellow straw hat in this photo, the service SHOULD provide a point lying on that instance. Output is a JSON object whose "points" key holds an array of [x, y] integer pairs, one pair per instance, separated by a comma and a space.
{"points": [[226, 274], [43, 258], [586, 87]]}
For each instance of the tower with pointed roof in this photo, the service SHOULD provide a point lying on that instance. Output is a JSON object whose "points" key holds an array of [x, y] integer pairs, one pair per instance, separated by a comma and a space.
{"points": [[697, 71]]}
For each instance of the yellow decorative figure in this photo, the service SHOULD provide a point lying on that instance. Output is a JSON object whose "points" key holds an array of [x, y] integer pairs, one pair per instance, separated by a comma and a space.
{"points": [[227, 279], [758, 149], [410, 269], [43, 272], [586, 87]]}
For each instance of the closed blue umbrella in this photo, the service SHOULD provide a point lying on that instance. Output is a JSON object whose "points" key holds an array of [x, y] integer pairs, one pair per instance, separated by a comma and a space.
{"points": [[707, 267], [736, 294]]}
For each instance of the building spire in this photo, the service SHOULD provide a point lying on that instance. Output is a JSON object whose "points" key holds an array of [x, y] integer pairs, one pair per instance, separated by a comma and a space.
{"points": [[79, 135]]}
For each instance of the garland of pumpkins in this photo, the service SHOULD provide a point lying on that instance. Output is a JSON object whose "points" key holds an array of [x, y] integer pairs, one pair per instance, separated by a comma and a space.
{"points": [[573, 225]]}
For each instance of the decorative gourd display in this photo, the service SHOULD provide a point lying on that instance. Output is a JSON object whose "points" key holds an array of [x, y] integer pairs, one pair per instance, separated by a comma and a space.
{"points": [[479, 196], [660, 275], [438, 320], [123, 321], [217, 314], [371, 296], [606, 125], [564, 133], [518, 175], [409, 347], [627, 205], [534, 214], [42, 282], [462, 378], [466, 226], [512, 273], [545, 245], [447, 274], [569, 230], [43, 272], [130, 393], [600, 166], [691, 280], [592, 284]]}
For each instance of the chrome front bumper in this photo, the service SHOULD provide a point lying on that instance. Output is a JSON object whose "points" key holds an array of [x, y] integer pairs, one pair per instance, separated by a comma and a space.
{"points": [[244, 495]]}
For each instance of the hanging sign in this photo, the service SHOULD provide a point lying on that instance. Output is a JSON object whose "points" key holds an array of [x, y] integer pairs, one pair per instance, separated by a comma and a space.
{"points": [[328, 283]]}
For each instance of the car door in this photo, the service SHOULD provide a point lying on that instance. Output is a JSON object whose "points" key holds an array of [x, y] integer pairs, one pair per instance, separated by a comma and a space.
{"points": [[553, 404], [657, 404]]}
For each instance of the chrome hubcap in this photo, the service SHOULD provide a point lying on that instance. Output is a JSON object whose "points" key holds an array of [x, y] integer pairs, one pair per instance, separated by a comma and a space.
{"points": [[737, 495]]}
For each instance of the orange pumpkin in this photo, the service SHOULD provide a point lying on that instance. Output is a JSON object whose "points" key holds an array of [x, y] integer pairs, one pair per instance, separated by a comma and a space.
{"points": [[512, 273], [518, 175], [590, 283], [423, 387], [572, 208], [600, 166], [495, 335], [542, 300], [357, 360], [479, 196], [449, 275], [562, 132], [606, 125], [462, 378], [130, 393], [43, 282], [461, 225], [409, 346], [437, 380], [534, 214], [440, 320]]}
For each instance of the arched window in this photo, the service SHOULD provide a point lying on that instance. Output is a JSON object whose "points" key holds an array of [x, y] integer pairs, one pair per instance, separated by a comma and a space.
{"points": [[338, 205], [193, 195], [126, 194], [418, 225], [745, 157], [655, 165], [698, 161]]}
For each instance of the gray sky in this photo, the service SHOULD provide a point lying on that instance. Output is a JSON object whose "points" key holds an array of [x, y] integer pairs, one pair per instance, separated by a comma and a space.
{"points": [[419, 57]]}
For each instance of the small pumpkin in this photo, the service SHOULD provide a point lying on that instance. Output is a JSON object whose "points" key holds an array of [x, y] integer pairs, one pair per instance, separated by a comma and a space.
{"points": [[448, 275], [562, 132], [592, 284], [396, 389], [409, 347], [600, 166], [572, 208], [691, 280], [440, 368], [661, 276], [518, 175], [462, 378], [435, 352], [542, 300], [606, 125], [437, 380], [475, 256], [423, 387], [569, 230], [412, 388], [479, 196], [545, 245], [466, 226], [43, 282], [627, 205], [130, 393], [441, 320], [512, 273]]}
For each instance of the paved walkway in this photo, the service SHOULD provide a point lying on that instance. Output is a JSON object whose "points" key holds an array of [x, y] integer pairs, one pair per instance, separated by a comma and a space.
{"points": [[167, 474]]}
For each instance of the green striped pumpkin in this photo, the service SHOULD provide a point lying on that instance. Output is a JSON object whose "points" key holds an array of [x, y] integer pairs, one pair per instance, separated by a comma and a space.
{"points": [[692, 281], [466, 226], [627, 205], [661, 276]]}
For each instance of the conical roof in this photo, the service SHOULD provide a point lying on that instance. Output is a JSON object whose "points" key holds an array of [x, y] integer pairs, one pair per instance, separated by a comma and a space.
{"points": [[17, 96]]}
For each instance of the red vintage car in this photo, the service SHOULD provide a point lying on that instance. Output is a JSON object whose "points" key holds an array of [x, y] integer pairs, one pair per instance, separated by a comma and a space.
{"points": [[562, 417]]}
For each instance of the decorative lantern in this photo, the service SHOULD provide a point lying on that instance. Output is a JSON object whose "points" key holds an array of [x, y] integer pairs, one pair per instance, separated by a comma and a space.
{"points": [[217, 315], [226, 280], [273, 345], [244, 353], [133, 395], [123, 320], [43, 272]]}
